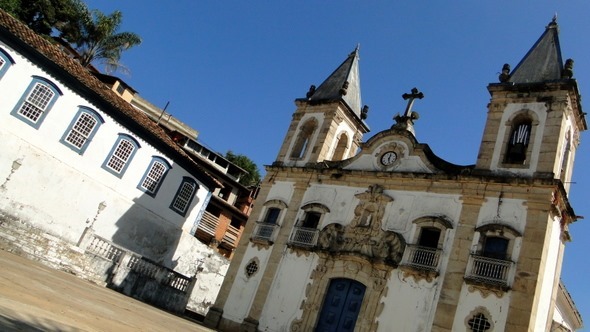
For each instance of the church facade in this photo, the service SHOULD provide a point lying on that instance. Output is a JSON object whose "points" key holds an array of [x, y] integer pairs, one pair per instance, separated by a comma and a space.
{"points": [[383, 235]]}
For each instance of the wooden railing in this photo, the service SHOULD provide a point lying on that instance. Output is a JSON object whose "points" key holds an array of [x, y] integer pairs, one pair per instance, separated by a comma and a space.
{"points": [[231, 236], [208, 223]]}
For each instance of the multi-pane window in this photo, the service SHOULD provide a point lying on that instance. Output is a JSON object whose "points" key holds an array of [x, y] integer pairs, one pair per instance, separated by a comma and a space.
{"points": [[36, 102], [5, 62], [154, 176], [121, 154], [81, 130], [184, 196]]}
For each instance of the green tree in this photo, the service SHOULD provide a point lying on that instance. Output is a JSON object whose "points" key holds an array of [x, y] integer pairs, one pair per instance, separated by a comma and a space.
{"points": [[95, 38], [43, 16], [247, 164]]}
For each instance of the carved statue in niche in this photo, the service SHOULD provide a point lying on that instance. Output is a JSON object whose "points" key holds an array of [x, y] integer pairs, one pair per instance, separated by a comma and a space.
{"points": [[364, 236]]}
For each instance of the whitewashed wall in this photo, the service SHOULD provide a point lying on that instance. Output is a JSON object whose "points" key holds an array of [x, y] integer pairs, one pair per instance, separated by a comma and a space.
{"points": [[59, 190]]}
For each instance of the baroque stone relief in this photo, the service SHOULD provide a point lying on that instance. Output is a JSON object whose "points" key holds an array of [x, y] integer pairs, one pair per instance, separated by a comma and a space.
{"points": [[361, 251], [364, 236]]}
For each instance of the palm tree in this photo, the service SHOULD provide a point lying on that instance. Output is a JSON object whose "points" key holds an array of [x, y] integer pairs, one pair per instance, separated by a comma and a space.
{"points": [[94, 36]]}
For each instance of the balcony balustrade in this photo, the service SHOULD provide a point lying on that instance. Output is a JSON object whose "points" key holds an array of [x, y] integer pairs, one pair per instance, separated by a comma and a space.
{"points": [[264, 231], [304, 237], [489, 270], [423, 258]]}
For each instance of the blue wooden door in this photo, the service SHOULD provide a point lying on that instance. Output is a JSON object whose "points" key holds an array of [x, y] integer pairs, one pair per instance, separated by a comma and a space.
{"points": [[341, 306]]}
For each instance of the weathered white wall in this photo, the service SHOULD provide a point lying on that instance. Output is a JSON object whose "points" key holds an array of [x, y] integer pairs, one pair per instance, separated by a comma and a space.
{"points": [[495, 309], [287, 292], [549, 275], [59, 191]]}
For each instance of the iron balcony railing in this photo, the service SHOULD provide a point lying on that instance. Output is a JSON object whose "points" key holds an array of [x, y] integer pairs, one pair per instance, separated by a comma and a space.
{"points": [[421, 257], [489, 270], [305, 237], [264, 231]]}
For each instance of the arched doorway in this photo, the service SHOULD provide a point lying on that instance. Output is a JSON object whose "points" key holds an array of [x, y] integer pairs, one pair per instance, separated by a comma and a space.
{"points": [[341, 306]]}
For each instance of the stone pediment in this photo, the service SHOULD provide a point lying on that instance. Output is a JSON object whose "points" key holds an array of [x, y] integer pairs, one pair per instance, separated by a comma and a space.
{"points": [[397, 150], [364, 236]]}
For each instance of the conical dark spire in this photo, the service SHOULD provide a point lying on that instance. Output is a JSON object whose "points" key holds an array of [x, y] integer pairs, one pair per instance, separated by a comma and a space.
{"points": [[343, 84], [543, 62]]}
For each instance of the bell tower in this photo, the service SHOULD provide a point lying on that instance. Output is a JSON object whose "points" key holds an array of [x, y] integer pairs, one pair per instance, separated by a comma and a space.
{"points": [[329, 123], [534, 116]]}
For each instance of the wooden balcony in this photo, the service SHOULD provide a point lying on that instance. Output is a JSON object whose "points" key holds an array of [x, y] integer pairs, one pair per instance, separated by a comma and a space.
{"points": [[231, 237], [208, 224]]}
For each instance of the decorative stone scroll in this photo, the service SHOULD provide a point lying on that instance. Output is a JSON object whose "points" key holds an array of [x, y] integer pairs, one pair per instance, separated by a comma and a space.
{"points": [[365, 236]]}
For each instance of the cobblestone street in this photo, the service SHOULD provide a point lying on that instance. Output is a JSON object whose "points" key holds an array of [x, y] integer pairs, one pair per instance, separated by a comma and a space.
{"points": [[36, 298]]}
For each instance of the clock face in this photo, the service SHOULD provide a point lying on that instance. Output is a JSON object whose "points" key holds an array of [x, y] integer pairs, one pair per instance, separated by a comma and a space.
{"points": [[388, 158]]}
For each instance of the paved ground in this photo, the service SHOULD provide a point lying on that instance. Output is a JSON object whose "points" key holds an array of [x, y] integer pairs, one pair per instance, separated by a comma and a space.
{"points": [[36, 298]]}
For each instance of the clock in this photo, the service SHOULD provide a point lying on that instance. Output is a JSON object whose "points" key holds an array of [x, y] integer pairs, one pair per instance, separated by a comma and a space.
{"points": [[388, 158]]}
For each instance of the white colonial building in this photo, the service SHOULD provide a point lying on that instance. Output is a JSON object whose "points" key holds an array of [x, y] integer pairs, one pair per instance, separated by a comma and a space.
{"points": [[390, 237], [84, 173]]}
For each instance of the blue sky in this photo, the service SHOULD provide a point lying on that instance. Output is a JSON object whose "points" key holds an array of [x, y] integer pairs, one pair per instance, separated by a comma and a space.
{"points": [[232, 69]]}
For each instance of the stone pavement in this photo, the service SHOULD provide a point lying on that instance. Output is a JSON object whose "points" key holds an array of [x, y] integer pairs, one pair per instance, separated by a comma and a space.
{"points": [[36, 298]]}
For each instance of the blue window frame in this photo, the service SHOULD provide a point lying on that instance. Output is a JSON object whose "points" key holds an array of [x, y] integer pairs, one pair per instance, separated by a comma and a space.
{"points": [[121, 154], [37, 101], [184, 196], [5, 62], [82, 129], [154, 176]]}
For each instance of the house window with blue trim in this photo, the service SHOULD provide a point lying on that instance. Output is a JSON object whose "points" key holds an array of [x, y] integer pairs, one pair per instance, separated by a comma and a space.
{"points": [[154, 176], [121, 155], [5, 62], [37, 101], [83, 127], [184, 196]]}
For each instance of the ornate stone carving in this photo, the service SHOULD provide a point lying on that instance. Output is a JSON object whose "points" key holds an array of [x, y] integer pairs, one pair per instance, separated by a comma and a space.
{"points": [[486, 291], [418, 274], [365, 236]]}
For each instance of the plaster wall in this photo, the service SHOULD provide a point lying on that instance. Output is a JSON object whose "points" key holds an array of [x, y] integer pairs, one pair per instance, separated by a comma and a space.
{"points": [[549, 270], [409, 304], [287, 292], [472, 302], [244, 288]]}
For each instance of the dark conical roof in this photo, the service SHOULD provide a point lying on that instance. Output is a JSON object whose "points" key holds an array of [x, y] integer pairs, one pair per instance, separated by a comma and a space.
{"points": [[343, 84], [543, 61]]}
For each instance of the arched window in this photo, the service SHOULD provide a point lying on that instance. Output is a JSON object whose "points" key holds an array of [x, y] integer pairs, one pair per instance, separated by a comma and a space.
{"points": [[341, 147], [154, 176], [121, 154], [424, 251], [5, 62], [271, 219], [81, 130], [37, 101], [518, 142], [184, 196], [304, 139]]}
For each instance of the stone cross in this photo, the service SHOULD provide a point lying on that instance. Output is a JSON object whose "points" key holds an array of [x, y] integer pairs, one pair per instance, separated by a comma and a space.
{"points": [[411, 96]]}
